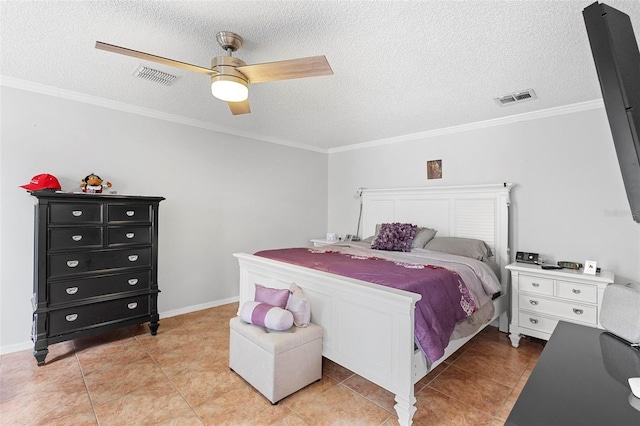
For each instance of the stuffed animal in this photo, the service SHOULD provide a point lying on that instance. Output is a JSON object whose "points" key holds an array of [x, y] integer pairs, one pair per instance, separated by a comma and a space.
{"points": [[93, 184]]}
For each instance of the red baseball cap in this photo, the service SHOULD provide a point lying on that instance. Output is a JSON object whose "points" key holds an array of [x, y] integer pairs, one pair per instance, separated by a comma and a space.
{"points": [[43, 181]]}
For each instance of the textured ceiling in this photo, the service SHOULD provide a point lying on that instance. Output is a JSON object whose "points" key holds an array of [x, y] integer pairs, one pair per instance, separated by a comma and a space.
{"points": [[400, 67]]}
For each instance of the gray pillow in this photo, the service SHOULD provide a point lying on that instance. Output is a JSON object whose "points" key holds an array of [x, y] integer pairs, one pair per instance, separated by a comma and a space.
{"points": [[467, 247], [423, 236]]}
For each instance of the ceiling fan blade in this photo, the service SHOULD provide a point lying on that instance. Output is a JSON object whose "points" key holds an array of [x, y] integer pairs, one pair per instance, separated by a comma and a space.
{"points": [[283, 70], [153, 58], [238, 108]]}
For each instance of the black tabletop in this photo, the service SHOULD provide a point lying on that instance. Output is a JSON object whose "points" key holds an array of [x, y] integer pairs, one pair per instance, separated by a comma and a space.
{"points": [[580, 379]]}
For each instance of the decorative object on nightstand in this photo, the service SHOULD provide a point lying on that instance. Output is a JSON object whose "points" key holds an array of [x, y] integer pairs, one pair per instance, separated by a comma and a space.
{"points": [[590, 267], [540, 298], [95, 265]]}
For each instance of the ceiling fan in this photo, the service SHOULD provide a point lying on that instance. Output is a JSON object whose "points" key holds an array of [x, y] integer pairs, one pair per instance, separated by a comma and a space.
{"points": [[230, 77]]}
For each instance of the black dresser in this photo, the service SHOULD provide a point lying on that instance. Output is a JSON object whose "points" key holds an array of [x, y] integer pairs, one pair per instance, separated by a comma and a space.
{"points": [[96, 265]]}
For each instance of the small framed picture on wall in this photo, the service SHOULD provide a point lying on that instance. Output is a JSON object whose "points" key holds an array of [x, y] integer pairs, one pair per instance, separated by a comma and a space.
{"points": [[434, 169]]}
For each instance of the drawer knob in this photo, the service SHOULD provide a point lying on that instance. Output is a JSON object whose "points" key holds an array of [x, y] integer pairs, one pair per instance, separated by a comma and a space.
{"points": [[575, 291], [133, 281], [533, 302], [130, 213], [577, 311], [72, 290], [130, 235], [132, 305], [71, 317], [533, 320], [76, 237], [133, 258], [72, 263], [535, 284], [77, 213]]}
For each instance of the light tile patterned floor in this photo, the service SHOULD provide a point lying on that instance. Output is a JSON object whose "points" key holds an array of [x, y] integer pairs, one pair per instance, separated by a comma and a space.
{"points": [[182, 377]]}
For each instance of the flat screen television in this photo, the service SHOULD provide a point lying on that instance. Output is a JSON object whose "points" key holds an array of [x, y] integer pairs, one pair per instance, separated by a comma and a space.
{"points": [[615, 53]]}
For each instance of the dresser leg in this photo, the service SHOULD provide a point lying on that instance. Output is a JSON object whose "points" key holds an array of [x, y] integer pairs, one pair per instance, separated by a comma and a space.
{"points": [[153, 327], [515, 339], [40, 355]]}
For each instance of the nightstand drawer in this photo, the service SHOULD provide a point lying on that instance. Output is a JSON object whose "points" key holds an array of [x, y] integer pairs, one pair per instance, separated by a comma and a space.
{"points": [[566, 310], [536, 285], [75, 213], [578, 292], [87, 316], [536, 322]]}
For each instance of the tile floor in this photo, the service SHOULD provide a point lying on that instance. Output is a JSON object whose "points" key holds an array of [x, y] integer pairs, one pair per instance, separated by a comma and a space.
{"points": [[181, 377]]}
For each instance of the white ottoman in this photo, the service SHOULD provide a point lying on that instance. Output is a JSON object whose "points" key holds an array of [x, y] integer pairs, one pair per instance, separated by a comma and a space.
{"points": [[276, 363]]}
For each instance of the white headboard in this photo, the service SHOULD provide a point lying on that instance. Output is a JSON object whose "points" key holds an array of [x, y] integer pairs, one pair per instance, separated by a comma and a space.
{"points": [[475, 211]]}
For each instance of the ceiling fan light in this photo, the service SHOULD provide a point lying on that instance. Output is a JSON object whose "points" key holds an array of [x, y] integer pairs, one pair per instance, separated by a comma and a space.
{"points": [[229, 88]]}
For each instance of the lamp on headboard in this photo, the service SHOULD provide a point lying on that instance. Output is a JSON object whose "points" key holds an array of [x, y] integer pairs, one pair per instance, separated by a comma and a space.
{"points": [[359, 196]]}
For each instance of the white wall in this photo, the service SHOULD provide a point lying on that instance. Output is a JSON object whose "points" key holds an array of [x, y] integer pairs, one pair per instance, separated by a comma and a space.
{"points": [[569, 202], [224, 194]]}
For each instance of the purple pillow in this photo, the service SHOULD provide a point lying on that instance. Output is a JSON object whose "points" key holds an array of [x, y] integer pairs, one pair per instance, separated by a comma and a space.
{"points": [[267, 316], [395, 237], [272, 296]]}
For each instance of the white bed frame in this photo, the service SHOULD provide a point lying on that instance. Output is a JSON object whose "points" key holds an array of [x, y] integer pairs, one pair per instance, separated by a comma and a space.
{"points": [[369, 328]]}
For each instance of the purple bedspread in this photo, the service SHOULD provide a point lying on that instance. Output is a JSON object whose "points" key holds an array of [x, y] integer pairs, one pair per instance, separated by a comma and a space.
{"points": [[445, 298]]}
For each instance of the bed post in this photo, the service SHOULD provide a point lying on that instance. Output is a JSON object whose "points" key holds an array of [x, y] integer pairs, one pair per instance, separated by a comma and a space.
{"points": [[405, 399], [504, 252]]}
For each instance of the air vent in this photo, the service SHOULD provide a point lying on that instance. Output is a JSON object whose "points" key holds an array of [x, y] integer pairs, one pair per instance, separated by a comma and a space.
{"points": [[516, 97], [154, 75]]}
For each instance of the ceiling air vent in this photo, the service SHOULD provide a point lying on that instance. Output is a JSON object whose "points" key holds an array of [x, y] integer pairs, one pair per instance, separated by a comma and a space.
{"points": [[516, 97], [154, 75]]}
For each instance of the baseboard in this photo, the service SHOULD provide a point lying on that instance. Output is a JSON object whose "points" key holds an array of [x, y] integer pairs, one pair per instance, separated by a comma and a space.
{"points": [[195, 308], [4, 350]]}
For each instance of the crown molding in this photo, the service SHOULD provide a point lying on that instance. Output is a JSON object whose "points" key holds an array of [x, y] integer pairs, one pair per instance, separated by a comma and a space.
{"points": [[43, 89], [147, 112], [527, 116]]}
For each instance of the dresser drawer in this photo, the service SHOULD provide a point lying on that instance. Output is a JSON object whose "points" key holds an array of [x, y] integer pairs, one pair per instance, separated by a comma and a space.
{"points": [[70, 238], [566, 310], [532, 284], [536, 322], [65, 213], [119, 235], [576, 291], [129, 212], [79, 317], [74, 263], [68, 291]]}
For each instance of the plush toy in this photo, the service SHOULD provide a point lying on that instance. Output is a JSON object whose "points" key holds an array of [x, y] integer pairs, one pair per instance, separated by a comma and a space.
{"points": [[93, 184]]}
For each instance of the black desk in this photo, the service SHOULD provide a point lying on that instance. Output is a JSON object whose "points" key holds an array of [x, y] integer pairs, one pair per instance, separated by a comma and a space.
{"points": [[571, 385]]}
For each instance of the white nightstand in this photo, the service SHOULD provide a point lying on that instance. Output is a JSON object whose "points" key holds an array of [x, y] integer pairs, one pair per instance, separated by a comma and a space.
{"points": [[540, 298], [321, 242]]}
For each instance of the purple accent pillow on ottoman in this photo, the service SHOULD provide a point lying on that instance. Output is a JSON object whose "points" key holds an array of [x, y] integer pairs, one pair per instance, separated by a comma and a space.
{"points": [[272, 296], [265, 315], [395, 237]]}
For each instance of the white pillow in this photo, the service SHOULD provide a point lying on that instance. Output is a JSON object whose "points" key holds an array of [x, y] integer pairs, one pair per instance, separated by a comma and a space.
{"points": [[264, 315], [299, 306]]}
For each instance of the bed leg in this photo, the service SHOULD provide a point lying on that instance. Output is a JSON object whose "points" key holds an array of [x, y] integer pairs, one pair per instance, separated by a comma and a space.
{"points": [[405, 408]]}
